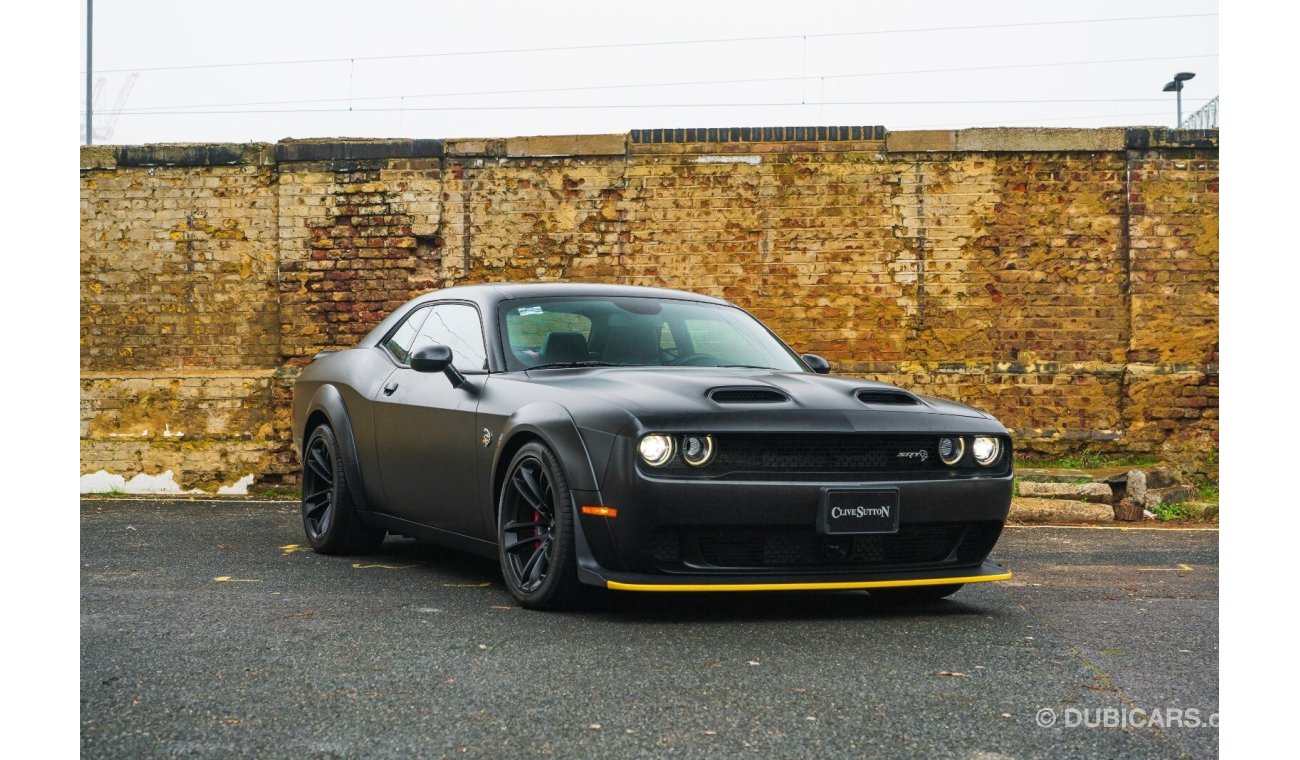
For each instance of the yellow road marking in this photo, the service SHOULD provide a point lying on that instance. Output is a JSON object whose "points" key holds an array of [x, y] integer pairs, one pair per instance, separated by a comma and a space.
{"points": [[1182, 566], [830, 586], [228, 579], [378, 566], [484, 584]]}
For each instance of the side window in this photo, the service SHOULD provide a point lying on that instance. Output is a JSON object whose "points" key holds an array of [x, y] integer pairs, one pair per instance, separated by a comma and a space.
{"points": [[456, 326], [400, 342]]}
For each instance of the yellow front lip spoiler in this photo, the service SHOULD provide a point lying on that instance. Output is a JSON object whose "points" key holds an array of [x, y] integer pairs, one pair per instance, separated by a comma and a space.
{"points": [[830, 586]]}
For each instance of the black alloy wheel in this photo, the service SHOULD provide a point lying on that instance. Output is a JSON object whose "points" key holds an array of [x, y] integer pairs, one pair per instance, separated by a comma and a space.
{"points": [[535, 531], [329, 516], [318, 487]]}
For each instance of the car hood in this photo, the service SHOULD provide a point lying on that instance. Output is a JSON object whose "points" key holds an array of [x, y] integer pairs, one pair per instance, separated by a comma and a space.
{"points": [[661, 394]]}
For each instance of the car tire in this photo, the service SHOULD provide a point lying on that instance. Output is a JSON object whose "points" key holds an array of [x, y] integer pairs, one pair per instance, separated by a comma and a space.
{"points": [[535, 543], [329, 515], [914, 594]]}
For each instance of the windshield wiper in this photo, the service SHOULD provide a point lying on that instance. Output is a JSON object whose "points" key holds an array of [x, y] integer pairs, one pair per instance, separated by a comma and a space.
{"points": [[567, 365], [745, 366]]}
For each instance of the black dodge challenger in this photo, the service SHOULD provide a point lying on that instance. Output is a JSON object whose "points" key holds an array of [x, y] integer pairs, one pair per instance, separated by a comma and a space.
{"points": [[643, 440]]}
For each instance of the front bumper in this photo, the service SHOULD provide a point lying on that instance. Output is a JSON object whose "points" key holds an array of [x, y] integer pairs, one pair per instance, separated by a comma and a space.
{"points": [[760, 536]]}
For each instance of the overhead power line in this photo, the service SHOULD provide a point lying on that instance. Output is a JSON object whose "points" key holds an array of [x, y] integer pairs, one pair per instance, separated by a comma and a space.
{"points": [[690, 83], [625, 45], [604, 106], [1032, 122]]}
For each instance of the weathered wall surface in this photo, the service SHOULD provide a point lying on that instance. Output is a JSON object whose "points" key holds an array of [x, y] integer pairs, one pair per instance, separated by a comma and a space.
{"points": [[180, 316], [1066, 280]]}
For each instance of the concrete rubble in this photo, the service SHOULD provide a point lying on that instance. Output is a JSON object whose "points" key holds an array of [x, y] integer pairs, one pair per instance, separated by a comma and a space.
{"points": [[1108, 494]]}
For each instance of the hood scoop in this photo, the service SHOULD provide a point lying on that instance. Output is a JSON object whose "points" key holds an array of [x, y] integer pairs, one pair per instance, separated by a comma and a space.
{"points": [[895, 398], [747, 395]]}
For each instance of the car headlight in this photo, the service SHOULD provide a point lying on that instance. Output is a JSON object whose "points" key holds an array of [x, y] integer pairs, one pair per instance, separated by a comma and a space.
{"points": [[951, 450], [697, 450], [986, 450], [657, 449]]}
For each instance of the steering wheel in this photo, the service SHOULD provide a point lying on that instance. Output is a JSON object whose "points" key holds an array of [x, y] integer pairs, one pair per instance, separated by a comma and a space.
{"points": [[697, 360]]}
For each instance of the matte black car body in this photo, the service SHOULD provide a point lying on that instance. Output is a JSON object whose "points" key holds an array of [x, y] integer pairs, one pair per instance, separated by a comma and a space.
{"points": [[428, 461]]}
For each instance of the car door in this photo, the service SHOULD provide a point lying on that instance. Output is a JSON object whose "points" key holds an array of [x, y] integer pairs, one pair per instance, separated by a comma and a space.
{"points": [[425, 429]]}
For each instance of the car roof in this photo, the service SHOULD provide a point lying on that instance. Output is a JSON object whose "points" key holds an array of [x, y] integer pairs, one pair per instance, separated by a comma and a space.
{"points": [[506, 291], [489, 295]]}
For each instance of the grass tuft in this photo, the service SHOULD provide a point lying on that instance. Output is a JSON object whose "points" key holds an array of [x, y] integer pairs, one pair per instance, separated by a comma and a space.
{"points": [[1089, 460]]}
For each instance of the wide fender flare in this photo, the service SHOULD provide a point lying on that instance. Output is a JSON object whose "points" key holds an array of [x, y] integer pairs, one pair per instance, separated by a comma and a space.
{"points": [[329, 401], [552, 423]]}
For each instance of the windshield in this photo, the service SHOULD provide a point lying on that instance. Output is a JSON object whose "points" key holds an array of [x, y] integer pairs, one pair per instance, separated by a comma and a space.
{"points": [[637, 332]]}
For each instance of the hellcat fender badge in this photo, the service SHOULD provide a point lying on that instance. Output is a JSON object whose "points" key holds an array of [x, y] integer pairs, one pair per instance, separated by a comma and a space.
{"points": [[486, 440]]}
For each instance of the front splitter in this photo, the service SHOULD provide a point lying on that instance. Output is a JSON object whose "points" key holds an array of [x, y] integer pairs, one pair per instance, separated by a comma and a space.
{"points": [[985, 573]]}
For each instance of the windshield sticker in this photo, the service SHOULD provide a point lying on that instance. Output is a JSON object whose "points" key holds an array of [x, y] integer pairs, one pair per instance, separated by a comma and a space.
{"points": [[529, 311]]}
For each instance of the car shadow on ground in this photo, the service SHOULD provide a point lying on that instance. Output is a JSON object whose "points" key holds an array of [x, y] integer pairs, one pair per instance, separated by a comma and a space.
{"points": [[776, 606], [459, 565], [455, 567]]}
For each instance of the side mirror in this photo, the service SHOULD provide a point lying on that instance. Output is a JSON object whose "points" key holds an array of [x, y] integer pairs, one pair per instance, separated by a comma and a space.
{"points": [[437, 358], [817, 364]]}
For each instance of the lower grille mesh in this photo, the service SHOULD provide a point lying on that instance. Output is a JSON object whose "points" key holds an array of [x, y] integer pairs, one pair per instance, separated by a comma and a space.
{"points": [[800, 548]]}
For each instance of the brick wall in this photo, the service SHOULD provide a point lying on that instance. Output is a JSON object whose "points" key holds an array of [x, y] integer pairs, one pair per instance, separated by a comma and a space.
{"points": [[1065, 280]]}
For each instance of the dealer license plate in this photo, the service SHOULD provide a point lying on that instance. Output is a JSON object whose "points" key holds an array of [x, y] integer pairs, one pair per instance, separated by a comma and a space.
{"points": [[858, 510]]}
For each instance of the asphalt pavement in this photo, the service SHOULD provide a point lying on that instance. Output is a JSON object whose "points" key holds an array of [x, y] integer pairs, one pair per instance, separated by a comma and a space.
{"points": [[207, 630]]}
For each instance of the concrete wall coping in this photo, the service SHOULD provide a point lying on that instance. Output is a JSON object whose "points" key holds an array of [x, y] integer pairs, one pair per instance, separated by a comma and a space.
{"points": [[542, 146], [177, 154], [757, 134], [355, 149], [1040, 139], [979, 140]]}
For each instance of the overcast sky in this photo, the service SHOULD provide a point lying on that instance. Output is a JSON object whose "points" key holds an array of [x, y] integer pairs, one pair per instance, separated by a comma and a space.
{"points": [[436, 69]]}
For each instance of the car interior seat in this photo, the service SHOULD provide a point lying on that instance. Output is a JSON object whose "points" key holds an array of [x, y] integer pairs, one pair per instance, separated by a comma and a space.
{"points": [[564, 347], [633, 344]]}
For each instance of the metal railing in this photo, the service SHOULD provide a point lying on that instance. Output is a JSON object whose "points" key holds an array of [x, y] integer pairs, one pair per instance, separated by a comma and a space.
{"points": [[1205, 117]]}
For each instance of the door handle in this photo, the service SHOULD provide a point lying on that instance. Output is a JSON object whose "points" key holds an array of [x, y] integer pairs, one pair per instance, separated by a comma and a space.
{"points": [[388, 389]]}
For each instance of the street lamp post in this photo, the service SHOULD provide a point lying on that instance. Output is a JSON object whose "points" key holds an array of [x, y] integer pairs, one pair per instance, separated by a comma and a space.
{"points": [[1176, 86], [90, 71]]}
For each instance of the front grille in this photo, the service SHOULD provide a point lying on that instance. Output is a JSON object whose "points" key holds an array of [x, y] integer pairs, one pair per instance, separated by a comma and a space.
{"points": [[796, 548], [826, 453], [826, 456], [818, 453]]}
